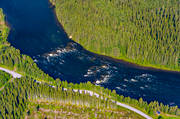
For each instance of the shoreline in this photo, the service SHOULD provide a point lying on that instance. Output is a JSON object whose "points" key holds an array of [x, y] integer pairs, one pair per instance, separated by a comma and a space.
{"points": [[134, 64], [129, 62], [109, 58], [124, 60], [17, 75]]}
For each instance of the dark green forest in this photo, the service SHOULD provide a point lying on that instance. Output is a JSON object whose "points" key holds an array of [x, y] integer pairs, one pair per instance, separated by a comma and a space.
{"points": [[4, 77], [145, 32], [20, 96], [11, 58], [17, 98]]}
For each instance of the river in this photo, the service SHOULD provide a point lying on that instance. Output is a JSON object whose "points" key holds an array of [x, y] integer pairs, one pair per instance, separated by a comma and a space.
{"points": [[37, 33]]}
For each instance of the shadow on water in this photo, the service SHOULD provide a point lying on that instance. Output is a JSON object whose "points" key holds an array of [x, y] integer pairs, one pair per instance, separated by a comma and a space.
{"points": [[34, 29], [36, 32]]}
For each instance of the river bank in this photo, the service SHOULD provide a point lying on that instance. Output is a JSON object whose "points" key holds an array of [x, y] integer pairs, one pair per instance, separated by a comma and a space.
{"points": [[135, 64], [70, 23], [77, 65], [91, 93]]}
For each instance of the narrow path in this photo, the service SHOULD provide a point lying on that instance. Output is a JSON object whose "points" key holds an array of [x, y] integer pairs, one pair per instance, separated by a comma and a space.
{"points": [[16, 75]]}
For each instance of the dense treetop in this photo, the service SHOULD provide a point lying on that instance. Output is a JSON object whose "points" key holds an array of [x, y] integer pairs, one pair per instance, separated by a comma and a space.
{"points": [[36, 85], [4, 77], [145, 32]]}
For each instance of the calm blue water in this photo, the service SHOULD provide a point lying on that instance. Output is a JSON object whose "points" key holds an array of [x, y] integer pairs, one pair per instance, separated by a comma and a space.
{"points": [[36, 32]]}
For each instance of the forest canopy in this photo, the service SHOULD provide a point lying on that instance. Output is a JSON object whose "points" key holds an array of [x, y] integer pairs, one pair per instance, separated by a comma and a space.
{"points": [[35, 85], [4, 77], [145, 32]]}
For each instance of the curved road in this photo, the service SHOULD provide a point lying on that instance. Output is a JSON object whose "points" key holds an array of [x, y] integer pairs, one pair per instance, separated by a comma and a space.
{"points": [[118, 103], [16, 75]]}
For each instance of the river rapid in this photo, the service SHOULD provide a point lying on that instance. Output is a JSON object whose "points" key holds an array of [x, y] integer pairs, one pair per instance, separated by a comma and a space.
{"points": [[36, 31]]}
